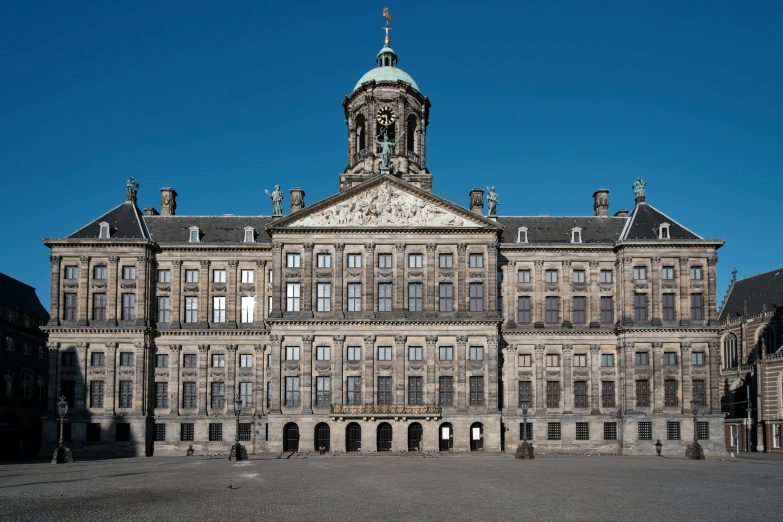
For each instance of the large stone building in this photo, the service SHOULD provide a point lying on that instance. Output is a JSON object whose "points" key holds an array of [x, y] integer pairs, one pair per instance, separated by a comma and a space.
{"points": [[385, 317]]}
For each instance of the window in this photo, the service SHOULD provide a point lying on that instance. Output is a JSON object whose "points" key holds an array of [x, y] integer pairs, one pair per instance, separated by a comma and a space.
{"points": [[610, 431], [161, 360], [415, 386], [324, 298], [163, 309], [580, 360], [703, 430], [415, 297], [9, 343], [552, 309], [218, 395], [271, 276], [96, 394], [414, 260], [249, 235], [8, 379], [41, 352], [195, 235], [384, 390], [68, 359], [384, 260], [41, 388], [734, 435], [105, 231], [523, 310], [99, 307], [191, 309], [323, 391], [354, 260], [247, 309], [642, 359], [354, 390], [606, 276], [446, 353], [777, 434], [247, 276], [663, 231], [476, 391], [94, 432], [323, 260], [476, 260], [69, 311], [354, 297], [246, 394], [161, 395], [122, 431], [293, 260], [730, 351], [218, 360], [668, 307], [579, 309], [525, 393], [607, 310], [607, 394], [522, 235], [698, 391], [644, 430], [414, 353], [159, 432], [128, 307], [245, 360], [27, 377], [191, 276], [667, 273], [672, 431], [523, 276], [189, 361], [550, 276], [126, 359], [552, 394], [269, 306], [579, 276], [446, 299], [354, 353], [582, 431], [71, 272], [576, 235], [670, 358], [553, 431], [525, 360], [476, 297], [446, 261], [580, 394], [607, 360], [697, 358], [99, 273], [445, 391], [67, 389], [696, 307], [126, 394], [189, 395], [292, 297], [695, 273], [640, 307], [476, 353], [384, 353], [639, 273], [552, 360], [670, 393], [292, 353], [384, 297], [215, 431], [129, 272]]}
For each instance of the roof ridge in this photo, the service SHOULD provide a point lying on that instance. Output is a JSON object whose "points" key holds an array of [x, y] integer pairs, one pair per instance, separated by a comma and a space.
{"points": [[96, 219], [759, 275], [674, 220], [16, 280]]}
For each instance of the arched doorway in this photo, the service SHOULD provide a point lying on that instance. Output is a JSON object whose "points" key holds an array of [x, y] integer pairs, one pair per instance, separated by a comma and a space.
{"points": [[384, 437], [291, 437], [446, 437], [415, 433], [476, 436], [353, 437], [322, 435]]}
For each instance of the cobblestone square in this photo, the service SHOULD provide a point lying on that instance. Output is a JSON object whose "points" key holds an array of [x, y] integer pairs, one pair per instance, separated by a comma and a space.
{"points": [[393, 487]]}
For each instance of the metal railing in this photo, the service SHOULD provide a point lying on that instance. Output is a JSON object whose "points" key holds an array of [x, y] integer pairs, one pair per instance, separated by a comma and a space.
{"points": [[376, 409]]}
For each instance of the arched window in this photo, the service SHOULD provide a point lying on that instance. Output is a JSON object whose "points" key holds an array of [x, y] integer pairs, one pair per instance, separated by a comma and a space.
{"points": [[445, 437], [730, 351], [353, 437], [291, 437], [415, 433], [361, 136], [767, 340], [384, 437], [411, 134], [476, 436], [322, 436]]}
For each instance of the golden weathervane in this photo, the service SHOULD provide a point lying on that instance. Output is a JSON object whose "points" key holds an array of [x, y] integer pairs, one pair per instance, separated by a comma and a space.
{"points": [[387, 16]]}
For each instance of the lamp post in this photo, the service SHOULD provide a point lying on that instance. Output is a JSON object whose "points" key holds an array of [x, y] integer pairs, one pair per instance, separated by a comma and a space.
{"points": [[524, 450], [62, 455], [694, 451], [238, 451], [525, 405]]}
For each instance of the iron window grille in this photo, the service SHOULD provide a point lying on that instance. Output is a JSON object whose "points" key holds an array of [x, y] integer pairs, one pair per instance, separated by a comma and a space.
{"points": [[218, 395], [553, 394], [580, 394], [476, 297], [643, 392], [122, 431], [446, 297], [292, 391], [552, 309], [670, 392], [607, 394], [529, 434], [415, 391], [523, 310], [703, 430], [245, 431], [161, 395], [385, 390], [582, 431], [607, 310], [523, 276], [446, 353], [94, 431], [160, 432], [476, 391], [525, 393], [610, 431], [415, 300], [644, 430], [553, 431], [699, 391], [672, 430], [445, 390], [189, 395], [215, 431], [384, 297]]}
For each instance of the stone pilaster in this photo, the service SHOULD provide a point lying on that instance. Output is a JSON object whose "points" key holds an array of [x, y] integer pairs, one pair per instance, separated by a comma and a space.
{"points": [[462, 346], [369, 369], [175, 378], [657, 384], [685, 306], [277, 285], [399, 284], [509, 381], [509, 297], [710, 303], [399, 369], [538, 305], [275, 371], [111, 361], [620, 379], [203, 378], [307, 281], [232, 291], [142, 284], [595, 379], [491, 365], [81, 395], [260, 296], [628, 369], [52, 395], [260, 383], [307, 373], [565, 294], [461, 300], [627, 286], [339, 287], [111, 291], [232, 388], [568, 394], [370, 306], [176, 296], [430, 358], [204, 284], [431, 281], [540, 391], [492, 283], [84, 290], [54, 318], [712, 386], [338, 369], [655, 306], [594, 296], [685, 372]]}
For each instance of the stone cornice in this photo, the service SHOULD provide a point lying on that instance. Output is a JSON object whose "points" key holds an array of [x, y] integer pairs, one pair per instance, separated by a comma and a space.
{"points": [[390, 321]]}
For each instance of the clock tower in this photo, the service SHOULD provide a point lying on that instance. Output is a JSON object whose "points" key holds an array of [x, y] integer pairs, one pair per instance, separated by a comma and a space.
{"points": [[387, 117]]}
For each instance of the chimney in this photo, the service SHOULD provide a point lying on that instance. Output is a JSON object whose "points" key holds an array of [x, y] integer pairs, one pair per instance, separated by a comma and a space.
{"points": [[621, 213], [168, 201], [150, 211], [477, 200], [297, 199], [601, 202]]}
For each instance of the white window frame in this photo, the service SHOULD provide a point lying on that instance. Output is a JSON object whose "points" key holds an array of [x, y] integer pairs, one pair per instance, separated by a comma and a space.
{"points": [[476, 353], [194, 235], [523, 275], [522, 235], [387, 260], [323, 353], [415, 260], [191, 309], [323, 260], [164, 275], [578, 276], [293, 296], [219, 309], [291, 353], [551, 276], [734, 435], [245, 360], [670, 270], [247, 276], [576, 235], [700, 272], [219, 275], [293, 260], [218, 360], [129, 273], [415, 353], [664, 232], [105, 230], [447, 351], [354, 260], [250, 235], [354, 353], [354, 300], [191, 275], [476, 260], [384, 353], [446, 260], [604, 272], [324, 297], [248, 308], [640, 271]]}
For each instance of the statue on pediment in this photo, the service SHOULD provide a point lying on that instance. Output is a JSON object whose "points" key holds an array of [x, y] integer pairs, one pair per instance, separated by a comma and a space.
{"points": [[277, 201]]}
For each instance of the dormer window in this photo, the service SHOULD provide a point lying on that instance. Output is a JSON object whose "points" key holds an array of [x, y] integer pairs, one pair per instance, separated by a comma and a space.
{"points": [[105, 233], [250, 234], [522, 235], [195, 235], [663, 231], [576, 235]]}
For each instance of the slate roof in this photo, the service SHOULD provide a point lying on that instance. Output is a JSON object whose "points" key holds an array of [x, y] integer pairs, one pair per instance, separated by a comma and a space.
{"points": [[759, 291], [644, 221], [21, 296], [125, 221], [552, 229], [214, 229]]}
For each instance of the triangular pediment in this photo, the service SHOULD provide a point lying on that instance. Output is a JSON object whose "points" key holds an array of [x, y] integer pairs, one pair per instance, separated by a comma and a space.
{"points": [[385, 201]]}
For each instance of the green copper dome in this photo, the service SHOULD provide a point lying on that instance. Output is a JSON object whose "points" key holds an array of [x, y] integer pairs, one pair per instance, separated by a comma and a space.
{"points": [[387, 70]]}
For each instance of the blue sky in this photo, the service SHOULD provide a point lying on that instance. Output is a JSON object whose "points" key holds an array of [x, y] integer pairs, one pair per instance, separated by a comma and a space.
{"points": [[545, 100]]}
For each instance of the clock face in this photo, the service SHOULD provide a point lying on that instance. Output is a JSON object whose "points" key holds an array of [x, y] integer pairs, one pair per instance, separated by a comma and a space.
{"points": [[385, 115]]}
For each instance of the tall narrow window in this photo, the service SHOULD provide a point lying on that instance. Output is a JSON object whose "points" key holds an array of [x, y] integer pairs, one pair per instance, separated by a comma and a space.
{"points": [[553, 394], [126, 394], [607, 394], [163, 309], [670, 392], [323, 391], [699, 391], [292, 297], [324, 302], [96, 394], [248, 306], [99, 307], [384, 297], [523, 310], [191, 309], [446, 297], [579, 309], [580, 394], [696, 307], [354, 297], [354, 395], [667, 303], [385, 390], [415, 297], [246, 394], [189, 395], [607, 310], [640, 307], [218, 309], [415, 391], [161, 395], [128, 307], [69, 310], [552, 309], [292, 391], [445, 390], [476, 297], [476, 391], [525, 393]]}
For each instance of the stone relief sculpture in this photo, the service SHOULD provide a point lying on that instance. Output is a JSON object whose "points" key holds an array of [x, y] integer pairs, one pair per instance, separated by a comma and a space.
{"points": [[383, 205], [493, 200], [277, 201]]}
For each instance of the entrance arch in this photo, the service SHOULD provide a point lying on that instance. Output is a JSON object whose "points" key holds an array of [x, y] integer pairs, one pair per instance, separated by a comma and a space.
{"points": [[384, 437], [415, 434], [322, 436], [445, 437], [353, 437], [291, 437], [476, 436]]}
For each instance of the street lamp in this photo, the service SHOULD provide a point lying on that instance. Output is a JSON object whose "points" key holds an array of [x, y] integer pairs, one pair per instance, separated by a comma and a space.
{"points": [[62, 454], [525, 405], [694, 451], [524, 450], [238, 451]]}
